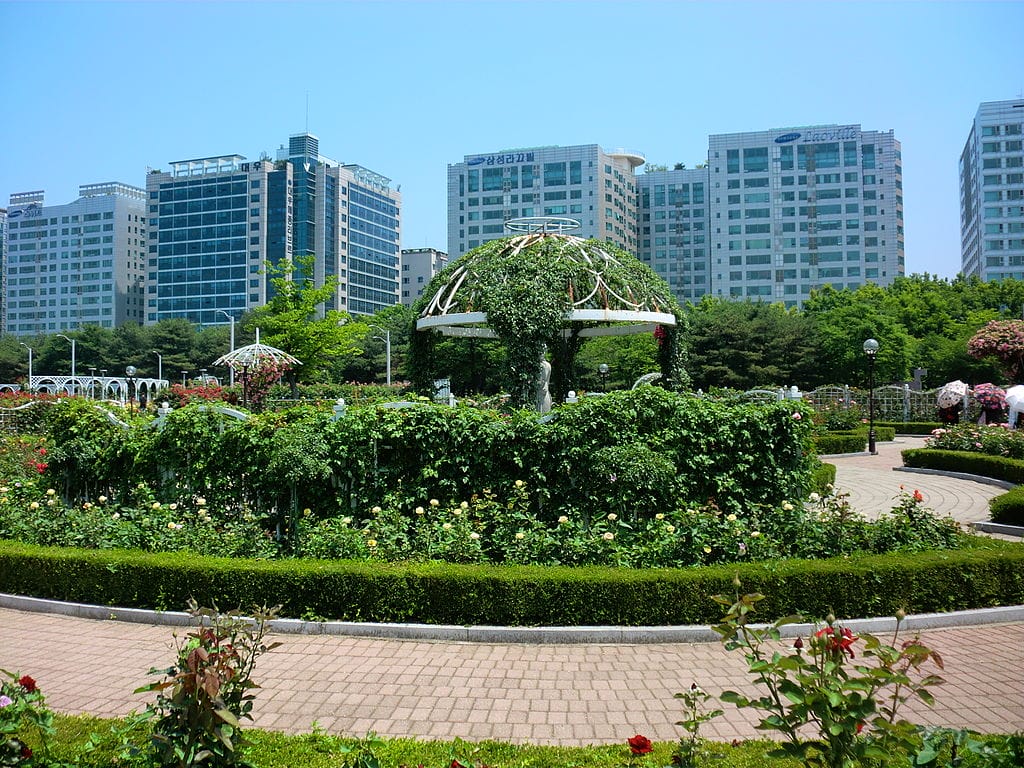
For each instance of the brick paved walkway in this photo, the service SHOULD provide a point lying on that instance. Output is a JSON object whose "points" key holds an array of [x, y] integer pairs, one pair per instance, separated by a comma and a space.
{"points": [[551, 694]]}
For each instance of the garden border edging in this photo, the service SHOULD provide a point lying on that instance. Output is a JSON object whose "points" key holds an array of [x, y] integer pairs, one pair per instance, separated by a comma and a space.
{"points": [[526, 635], [984, 480]]}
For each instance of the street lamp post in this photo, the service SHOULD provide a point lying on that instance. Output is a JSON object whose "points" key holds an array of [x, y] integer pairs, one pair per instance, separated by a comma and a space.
{"points": [[92, 383], [129, 374], [159, 365], [183, 375], [603, 370], [387, 349], [231, 370], [26, 346], [871, 350], [74, 382]]}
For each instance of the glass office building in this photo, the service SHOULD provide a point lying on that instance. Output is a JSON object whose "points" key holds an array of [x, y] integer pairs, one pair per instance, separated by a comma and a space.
{"points": [[216, 222], [210, 236], [596, 188], [348, 218], [83, 263], [992, 193]]}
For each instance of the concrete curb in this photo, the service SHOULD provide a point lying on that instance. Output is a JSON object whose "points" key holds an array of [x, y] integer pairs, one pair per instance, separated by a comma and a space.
{"points": [[958, 475], [525, 635], [1000, 528]]}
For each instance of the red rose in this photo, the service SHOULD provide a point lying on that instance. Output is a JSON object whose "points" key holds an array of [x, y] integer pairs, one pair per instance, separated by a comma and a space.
{"points": [[28, 684], [918, 497], [26, 752], [639, 745]]}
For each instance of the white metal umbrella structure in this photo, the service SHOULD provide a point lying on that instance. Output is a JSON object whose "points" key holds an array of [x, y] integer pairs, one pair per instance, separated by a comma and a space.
{"points": [[250, 359]]}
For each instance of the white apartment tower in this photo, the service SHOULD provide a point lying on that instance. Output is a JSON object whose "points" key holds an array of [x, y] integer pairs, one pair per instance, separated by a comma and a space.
{"points": [[992, 193], [419, 265], [68, 266], [793, 209], [585, 183]]}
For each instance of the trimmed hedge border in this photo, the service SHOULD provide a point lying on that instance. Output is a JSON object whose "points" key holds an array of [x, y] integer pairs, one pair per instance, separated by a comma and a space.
{"points": [[1006, 508], [911, 427], [823, 476], [840, 442], [998, 467], [987, 573]]}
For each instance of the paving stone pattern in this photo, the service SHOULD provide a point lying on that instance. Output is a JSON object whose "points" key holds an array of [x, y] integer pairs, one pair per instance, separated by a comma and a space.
{"points": [[546, 694]]}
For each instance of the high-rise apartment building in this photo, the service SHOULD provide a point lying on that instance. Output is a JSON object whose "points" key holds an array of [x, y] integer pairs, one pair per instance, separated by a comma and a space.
{"points": [[3, 270], [216, 222], [596, 188], [773, 214], [83, 263], [675, 215], [419, 265], [992, 193], [794, 209]]}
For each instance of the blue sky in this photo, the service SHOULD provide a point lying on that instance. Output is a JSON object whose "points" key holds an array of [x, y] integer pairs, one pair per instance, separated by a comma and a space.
{"points": [[98, 92]]}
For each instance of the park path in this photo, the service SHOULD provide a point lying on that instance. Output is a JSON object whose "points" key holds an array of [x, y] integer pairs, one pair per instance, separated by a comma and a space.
{"points": [[543, 694]]}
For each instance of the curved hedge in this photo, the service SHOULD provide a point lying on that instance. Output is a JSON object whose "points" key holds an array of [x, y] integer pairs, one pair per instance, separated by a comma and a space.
{"points": [[996, 467], [987, 573], [1006, 508]]}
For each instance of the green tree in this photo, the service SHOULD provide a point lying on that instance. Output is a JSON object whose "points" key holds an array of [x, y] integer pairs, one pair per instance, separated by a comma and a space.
{"points": [[296, 320], [744, 344], [844, 320], [371, 366]]}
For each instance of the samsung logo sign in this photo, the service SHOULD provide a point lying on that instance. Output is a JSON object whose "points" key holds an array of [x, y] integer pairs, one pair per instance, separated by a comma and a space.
{"points": [[476, 161], [786, 138]]}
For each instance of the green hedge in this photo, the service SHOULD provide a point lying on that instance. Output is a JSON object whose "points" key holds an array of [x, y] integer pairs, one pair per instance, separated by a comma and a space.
{"points": [[1008, 508], [985, 574], [997, 467], [824, 476], [910, 427], [738, 454], [840, 442]]}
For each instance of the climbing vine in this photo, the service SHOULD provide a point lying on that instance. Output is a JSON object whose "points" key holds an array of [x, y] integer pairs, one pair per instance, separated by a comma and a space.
{"points": [[527, 285]]}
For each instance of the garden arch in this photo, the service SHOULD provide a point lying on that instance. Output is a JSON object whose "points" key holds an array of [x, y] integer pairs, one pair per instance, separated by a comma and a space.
{"points": [[544, 290]]}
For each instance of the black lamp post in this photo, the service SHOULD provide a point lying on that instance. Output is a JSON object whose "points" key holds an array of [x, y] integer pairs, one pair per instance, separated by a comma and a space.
{"points": [[871, 350], [129, 374], [603, 370]]}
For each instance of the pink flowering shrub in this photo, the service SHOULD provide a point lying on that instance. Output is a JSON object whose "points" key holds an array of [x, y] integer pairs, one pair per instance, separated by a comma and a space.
{"points": [[990, 439], [1003, 340]]}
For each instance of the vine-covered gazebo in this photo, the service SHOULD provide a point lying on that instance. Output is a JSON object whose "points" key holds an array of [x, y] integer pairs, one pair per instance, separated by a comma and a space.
{"points": [[543, 291]]}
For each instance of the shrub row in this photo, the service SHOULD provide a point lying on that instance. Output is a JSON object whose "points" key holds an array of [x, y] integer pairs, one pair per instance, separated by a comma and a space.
{"points": [[909, 427], [850, 440], [997, 467], [655, 446], [1008, 507], [840, 442], [987, 573]]}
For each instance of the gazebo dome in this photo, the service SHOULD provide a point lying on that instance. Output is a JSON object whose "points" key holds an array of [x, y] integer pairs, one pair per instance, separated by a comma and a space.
{"points": [[599, 284]]}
